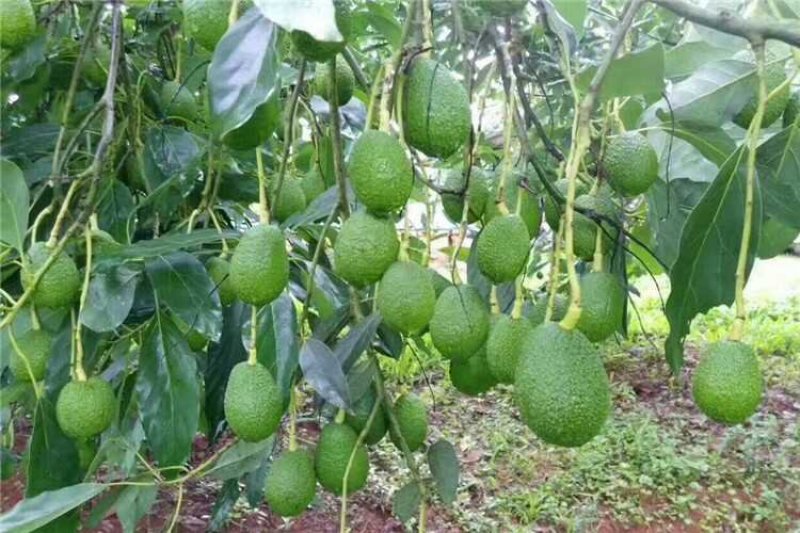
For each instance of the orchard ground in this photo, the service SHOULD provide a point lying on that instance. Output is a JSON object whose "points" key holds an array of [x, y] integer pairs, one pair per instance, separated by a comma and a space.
{"points": [[658, 465]]}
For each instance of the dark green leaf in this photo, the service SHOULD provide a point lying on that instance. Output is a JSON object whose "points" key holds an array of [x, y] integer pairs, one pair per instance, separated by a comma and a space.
{"points": [[637, 73], [358, 339], [115, 209], [778, 163], [443, 462], [278, 341], [36, 140], [319, 209], [168, 392], [359, 378], [169, 243], [667, 216], [33, 513], [704, 273], [406, 500], [312, 16], [14, 199], [24, 63], [226, 499], [711, 141], [110, 296], [680, 61], [222, 357], [323, 372], [384, 20], [243, 72], [389, 342], [255, 480], [182, 284], [241, 458], [173, 150], [134, 502]]}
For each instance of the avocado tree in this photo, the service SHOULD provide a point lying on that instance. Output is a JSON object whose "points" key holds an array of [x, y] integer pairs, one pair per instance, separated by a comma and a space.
{"points": [[207, 226]]}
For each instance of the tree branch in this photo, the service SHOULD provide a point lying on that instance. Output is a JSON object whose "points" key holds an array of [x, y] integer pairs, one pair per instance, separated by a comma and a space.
{"points": [[754, 30]]}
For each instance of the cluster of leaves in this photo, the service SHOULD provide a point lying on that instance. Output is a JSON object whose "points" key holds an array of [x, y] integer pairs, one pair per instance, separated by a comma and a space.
{"points": [[168, 194]]}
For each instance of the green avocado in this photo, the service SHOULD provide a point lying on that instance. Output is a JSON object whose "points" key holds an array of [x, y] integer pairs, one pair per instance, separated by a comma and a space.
{"points": [[291, 483], [260, 265], [19, 23], [585, 229], [365, 248], [85, 409], [774, 76], [313, 185], [320, 51], [359, 417], [439, 282], [477, 194], [460, 322], [406, 297], [253, 403], [472, 376], [561, 387], [59, 286], [265, 119], [503, 248], [504, 346], [727, 384], [530, 211], [436, 113], [603, 305], [535, 311], [776, 238], [206, 21], [380, 172], [553, 210], [345, 82], [34, 350], [337, 443], [219, 271], [178, 101], [412, 418], [630, 164], [291, 201]]}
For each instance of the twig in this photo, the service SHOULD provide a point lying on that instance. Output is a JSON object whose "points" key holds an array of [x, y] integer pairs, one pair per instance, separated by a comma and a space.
{"points": [[336, 138], [358, 72], [288, 133]]}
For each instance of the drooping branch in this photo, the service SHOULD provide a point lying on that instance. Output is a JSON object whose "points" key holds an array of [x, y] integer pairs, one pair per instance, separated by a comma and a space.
{"points": [[754, 30]]}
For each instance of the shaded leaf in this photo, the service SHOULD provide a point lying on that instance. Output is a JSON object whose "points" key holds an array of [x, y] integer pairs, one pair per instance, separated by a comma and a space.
{"points": [[633, 74], [173, 150], [169, 243], [443, 462], [110, 296], [384, 20], [278, 341], [53, 457], [574, 12], [32, 513], [114, 210], [668, 215], [357, 340], [778, 162], [133, 503], [14, 199], [711, 141], [241, 458], [36, 140], [226, 499], [683, 59], [406, 500], [323, 372], [222, 357], [315, 17]]}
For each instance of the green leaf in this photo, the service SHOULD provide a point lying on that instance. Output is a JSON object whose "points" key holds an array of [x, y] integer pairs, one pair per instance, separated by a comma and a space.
{"points": [[712, 95], [33, 513], [278, 341], [443, 462], [384, 20], [559, 26], [115, 209], [704, 273], [357, 340], [680, 61], [574, 12], [315, 17], [632, 74], [406, 501], [53, 458], [778, 162], [324, 373], [110, 296], [31, 142], [183, 285], [226, 500], [14, 202], [222, 357], [174, 151], [133, 503], [243, 72], [711, 141], [319, 209], [168, 392], [241, 458], [668, 215], [167, 244]]}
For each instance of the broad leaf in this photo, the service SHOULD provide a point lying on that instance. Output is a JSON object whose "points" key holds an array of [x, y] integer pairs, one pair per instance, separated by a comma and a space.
{"points": [[315, 17], [633, 74], [33, 513], [110, 296], [222, 357], [383, 18], [167, 244], [668, 215], [323, 372], [278, 345], [174, 151], [241, 458], [711, 141], [357, 340], [406, 500], [14, 199], [226, 499], [559, 26], [182, 284], [443, 462], [778, 162], [680, 61], [574, 12], [53, 456], [115, 209], [168, 392], [133, 503], [704, 273], [243, 72]]}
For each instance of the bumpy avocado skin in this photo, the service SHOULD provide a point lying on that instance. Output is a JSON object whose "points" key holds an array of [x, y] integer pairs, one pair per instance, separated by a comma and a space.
{"points": [[35, 344], [630, 163], [336, 444], [412, 417], [365, 248], [536, 310], [561, 386], [59, 286], [602, 303], [313, 185], [206, 21], [503, 247], [460, 322], [477, 194], [472, 376], [345, 82], [219, 271], [291, 483], [504, 346], [319, 51], [253, 403], [19, 23], [774, 76], [727, 384], [260, 265], [291, 201], [380, 172], [406, 297], [265, 119], [553, 210], [585, 229], [436, 113], [360, 416], [85, 409], [529, 209]]}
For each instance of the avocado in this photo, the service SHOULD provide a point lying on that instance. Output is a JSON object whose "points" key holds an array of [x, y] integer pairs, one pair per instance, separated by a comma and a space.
{"points": [[206, 21], [472, 376], [291, 483], [380, 171], [291, 201], [359, 416], [454, 195], [253, 402], [535, 311], [266, 118], [219, 271], [19, 23], [85, 409], [345, 82], [412, 417], [530, 211], [59, 286], [776, 238], [313, 185], [34, 350], [774, 76], [585, 229], [260, 265], [460, 322], [630, 163], [337, 443], [503, 248], [504, 346], [554, 210], [178, 101], [406, 297], [603, 305], [365, 248]]}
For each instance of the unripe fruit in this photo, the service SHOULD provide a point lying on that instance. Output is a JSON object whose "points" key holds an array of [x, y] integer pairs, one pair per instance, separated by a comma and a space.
{"points": [[472, 376], [365, 248], [260, 265], [360, 416], [630, 163], [59, 286], [34, 352], [319, 51], [380, 171], [253, 403], [291, 483], [336, 444], [503, 247], [603, 305], [344, 82], [504, 346], [19, 23], [406, 297], [85, 409], [219, 271], [460, 322], [412, 417]]}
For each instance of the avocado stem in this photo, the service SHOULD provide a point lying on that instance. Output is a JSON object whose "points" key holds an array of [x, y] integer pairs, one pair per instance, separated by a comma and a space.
{"points": [[597, 260], [252, 353], [555, 267], [263, 198]]}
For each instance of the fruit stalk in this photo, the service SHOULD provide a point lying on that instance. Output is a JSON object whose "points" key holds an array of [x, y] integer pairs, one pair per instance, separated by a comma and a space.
{"points": [[252, 353], [507, 161], [80, 373], [390, 69], [233, 14], [288, 132], [752, 145], [554, 271], [336, 137], [597, 260]]}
